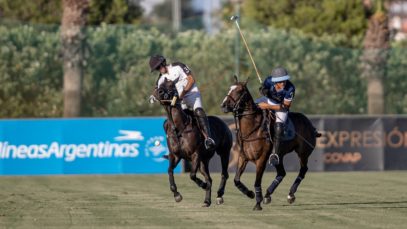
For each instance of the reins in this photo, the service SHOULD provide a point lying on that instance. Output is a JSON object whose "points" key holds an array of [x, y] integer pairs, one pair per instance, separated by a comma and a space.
{"points": [[187, 123], [238, 114]]}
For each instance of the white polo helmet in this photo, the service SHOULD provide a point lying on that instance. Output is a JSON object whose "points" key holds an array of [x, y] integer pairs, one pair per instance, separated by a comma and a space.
{"points": [[279, 74]]}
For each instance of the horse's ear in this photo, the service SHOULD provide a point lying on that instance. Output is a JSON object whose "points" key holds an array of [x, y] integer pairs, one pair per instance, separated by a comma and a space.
{"points": [[235, 77], [245, 82]]}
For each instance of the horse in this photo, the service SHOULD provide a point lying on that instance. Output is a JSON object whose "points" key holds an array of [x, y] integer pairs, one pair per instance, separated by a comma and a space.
{"points": [[185, 141], [253, 135]]}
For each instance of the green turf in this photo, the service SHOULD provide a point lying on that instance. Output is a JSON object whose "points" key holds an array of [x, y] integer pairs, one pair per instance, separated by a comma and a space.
{"points": [[324, 200]]}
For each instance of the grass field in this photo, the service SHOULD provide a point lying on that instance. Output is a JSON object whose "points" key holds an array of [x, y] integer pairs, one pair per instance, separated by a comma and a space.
{"points": [[324, 200]]}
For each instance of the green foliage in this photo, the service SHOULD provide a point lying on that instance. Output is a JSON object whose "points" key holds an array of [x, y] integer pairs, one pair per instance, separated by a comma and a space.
{"points": [[114, 12], [33, 11], [31, 72], [316, 17], [50, 11], [118, 82]]}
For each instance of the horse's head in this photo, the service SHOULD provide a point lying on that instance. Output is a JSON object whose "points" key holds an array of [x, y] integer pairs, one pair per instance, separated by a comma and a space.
{"points": [[237, 97], [166, 92]]}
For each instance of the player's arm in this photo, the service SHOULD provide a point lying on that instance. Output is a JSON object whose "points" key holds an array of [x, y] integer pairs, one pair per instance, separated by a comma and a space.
{"points": [[190, 83]]}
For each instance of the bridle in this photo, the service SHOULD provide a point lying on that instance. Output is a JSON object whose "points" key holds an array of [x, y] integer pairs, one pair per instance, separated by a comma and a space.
{"points": [[174, 103], [239, 112]]}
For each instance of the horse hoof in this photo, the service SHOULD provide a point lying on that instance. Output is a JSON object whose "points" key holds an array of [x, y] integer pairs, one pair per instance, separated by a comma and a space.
{"points": [[178, 198], [290, 198], [267, 200], [219, 200], [206, 204], [250, 194], [257, 208]]}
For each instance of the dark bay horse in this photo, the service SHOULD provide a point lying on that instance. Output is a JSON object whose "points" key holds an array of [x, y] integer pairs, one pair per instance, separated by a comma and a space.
{"points": [[254, 139], [185, 141]]}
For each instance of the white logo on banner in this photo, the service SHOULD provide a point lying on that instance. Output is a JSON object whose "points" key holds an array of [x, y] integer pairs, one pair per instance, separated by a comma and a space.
{"points": [[155, 149], [129, 135]]}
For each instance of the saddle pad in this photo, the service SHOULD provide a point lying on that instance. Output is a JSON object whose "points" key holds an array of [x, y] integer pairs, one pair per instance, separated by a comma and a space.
{"points": [[289, 130]]}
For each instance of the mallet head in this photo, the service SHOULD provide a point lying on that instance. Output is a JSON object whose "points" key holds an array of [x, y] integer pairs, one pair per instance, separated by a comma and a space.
{"points": [[234, 18]]}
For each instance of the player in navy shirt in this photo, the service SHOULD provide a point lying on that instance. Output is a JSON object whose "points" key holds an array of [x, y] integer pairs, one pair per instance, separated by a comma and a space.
{"points": [[278, 94]]}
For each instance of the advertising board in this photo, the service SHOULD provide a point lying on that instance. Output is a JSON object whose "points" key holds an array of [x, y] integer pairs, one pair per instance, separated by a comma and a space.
{"points": [[83, 146]]}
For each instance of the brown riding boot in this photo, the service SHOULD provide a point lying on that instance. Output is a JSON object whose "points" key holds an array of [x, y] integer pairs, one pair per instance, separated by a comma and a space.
{"points": [[274, 158], [204, 126]]}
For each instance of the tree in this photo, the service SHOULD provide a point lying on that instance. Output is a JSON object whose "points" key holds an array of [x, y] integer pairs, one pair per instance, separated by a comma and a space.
{"points": [[375, 53], [73, 39], [114, 12], [34, 11], [49, 11], [315, 17]]}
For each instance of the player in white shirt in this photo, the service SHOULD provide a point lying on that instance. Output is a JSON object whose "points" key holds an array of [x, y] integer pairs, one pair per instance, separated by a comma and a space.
{"points": [[187, 90]]}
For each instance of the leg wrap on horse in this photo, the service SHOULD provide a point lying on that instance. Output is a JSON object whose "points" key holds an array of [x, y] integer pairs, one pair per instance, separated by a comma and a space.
{"points": [[259, 194], [298, 180], [274, 184], [222, 185], [295, 185]]}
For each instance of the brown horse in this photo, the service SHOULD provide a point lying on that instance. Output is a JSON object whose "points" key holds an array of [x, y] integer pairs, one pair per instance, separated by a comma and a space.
{"points": [[185, 141], [253, 136]]}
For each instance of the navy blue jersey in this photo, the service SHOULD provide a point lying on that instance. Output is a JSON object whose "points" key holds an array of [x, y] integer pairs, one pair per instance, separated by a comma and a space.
{"points": [[287, 93]]}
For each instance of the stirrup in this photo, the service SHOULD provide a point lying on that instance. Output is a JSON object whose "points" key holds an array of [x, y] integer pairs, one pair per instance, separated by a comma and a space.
{"points": [[209, 144], [274, 159]]}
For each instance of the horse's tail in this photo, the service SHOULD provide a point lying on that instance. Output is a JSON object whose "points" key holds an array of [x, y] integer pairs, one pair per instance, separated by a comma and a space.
{"points": [[165, 156]]}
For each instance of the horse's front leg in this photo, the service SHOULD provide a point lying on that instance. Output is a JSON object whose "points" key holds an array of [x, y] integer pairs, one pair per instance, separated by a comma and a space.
{"points": [[260, 167], [173, 162], [205, 172], [194, 168], [279, 178], [241, 166]]}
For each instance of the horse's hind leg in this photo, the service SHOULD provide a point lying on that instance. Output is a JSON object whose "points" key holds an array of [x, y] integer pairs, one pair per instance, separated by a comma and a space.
{"points": [[300, 177], [279, 178], [241, 166], [194, 168], [173, 162], [225, 175], [205, 172]]}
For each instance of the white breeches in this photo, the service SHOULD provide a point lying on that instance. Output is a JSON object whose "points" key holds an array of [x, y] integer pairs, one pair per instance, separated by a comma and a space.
{"points": [[192, 100]]}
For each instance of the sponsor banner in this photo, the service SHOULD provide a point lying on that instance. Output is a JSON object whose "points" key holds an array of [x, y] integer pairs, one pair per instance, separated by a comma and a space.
{"points": [[394, 139], [348, 143], [83, 146]]}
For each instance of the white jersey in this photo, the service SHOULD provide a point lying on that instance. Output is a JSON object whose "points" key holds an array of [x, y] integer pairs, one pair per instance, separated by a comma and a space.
{"points": [[178, 72]]}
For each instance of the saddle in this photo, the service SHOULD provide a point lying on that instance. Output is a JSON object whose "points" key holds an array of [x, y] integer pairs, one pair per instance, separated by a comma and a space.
{"points": [[289, 128]]}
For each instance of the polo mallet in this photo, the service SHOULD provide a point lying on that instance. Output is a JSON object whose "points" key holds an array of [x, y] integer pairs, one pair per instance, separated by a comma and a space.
{"points": [[235, 18]]}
